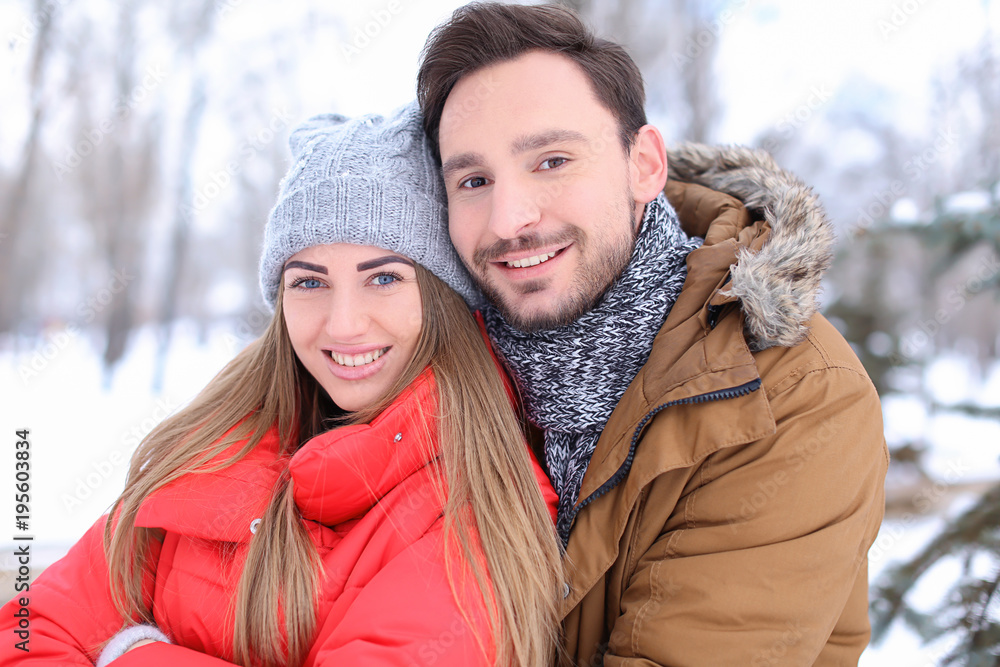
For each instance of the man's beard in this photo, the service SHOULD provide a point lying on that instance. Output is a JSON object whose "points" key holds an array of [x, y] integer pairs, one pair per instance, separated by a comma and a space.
{"points": [[593, 277]]}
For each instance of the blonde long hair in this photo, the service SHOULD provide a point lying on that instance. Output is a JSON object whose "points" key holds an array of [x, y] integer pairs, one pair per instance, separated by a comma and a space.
{"points": [[486, 468]]}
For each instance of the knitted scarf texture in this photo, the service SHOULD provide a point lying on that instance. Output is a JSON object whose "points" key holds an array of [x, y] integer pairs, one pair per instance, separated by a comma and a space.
{"points": [[571, 378]]}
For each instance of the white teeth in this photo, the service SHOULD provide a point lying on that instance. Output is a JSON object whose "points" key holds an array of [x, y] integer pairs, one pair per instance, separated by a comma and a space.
{"points": [[352, 360], [531, 261]]}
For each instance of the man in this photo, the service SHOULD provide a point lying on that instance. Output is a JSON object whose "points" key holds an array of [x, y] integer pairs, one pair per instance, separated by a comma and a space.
{"points": [[716, 445]]}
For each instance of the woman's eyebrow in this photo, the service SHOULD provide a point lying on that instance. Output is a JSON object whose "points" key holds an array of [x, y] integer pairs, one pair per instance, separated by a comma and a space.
{"points": [[307, 266], [379, 261]]}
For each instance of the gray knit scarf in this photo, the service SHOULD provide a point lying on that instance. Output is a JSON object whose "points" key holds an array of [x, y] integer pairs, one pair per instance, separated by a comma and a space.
{"points": [[572, 377]]}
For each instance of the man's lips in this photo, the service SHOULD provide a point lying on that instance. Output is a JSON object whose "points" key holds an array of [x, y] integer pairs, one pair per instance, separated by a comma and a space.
{"points": [[530, 261], [528, 258]]}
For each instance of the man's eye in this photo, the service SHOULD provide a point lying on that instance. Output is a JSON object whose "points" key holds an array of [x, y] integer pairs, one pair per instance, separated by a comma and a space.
{"points": [[474, 182], [552, 163]]}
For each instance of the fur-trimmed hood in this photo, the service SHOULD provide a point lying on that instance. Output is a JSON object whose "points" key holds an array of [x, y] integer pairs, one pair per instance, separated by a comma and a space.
{"points": [[777, 286]]}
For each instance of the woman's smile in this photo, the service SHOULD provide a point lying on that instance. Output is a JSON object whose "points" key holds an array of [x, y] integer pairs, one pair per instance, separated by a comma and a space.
{"points": [[357, 359], [357, 367]]}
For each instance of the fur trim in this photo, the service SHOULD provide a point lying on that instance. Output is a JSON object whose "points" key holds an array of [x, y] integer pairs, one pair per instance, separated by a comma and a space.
{"points": [[778, 285]]}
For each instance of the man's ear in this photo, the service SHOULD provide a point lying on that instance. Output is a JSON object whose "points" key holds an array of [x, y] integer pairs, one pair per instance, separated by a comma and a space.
{"points": [[648, 164]]}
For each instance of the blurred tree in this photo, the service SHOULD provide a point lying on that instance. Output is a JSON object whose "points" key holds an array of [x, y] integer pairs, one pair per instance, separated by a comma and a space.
{"points": [[111, 158], [967, 614], [908, 293], [16, 274], [674, 43], [130, 184], [917, 277], [191, 25]]}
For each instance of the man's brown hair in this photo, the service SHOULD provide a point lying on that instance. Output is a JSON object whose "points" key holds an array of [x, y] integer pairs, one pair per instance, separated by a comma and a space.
{"points": [[481, 34]]}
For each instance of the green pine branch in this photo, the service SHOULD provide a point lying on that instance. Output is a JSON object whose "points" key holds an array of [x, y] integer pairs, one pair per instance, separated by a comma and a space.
{"points": [[976, 530]]}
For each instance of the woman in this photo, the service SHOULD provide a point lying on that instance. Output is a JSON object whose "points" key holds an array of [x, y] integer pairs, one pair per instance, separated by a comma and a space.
{"points": [[351, 489]]}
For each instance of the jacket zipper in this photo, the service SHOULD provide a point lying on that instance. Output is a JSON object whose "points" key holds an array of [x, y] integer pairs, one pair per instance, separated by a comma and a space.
{"points": [[719, 395]]}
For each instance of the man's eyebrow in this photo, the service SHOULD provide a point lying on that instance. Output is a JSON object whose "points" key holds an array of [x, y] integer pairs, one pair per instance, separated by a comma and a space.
{"points": [[461, 161], [522, 144], [532, 142], [296, 264], [379, 261]]}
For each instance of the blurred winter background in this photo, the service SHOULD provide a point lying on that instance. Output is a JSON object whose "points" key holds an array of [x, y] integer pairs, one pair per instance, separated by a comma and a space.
{"points": [[141, 145]]}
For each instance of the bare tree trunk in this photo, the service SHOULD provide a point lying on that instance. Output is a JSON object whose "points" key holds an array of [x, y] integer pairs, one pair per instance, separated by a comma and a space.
{"points": [[122, 239], [987, 86], [192, 26], [699, 76], [674, 43], [581, 7], [12, 221], [182, 227]]}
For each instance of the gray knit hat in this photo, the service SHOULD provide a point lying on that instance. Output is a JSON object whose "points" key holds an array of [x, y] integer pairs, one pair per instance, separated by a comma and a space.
{"points": [[370, 181]]}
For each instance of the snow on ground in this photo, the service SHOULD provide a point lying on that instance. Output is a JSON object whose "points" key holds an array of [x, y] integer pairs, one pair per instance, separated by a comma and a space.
{"points": [[83, 433]]}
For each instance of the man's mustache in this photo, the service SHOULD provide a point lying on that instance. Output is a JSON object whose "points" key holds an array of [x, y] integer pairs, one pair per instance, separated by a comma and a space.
{"points": [[525, 242]]}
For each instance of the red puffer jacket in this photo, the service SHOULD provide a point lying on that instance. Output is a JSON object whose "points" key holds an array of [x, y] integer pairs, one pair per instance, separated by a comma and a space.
{"points": [[369, 501]]}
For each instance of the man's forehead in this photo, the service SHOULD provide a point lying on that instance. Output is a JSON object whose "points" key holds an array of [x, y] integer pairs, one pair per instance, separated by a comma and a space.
{"points": [[533, 100]]}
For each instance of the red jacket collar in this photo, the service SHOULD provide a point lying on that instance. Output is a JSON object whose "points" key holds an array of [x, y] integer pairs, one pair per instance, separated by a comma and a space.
{"points": [[341, 474], [336, 476]]}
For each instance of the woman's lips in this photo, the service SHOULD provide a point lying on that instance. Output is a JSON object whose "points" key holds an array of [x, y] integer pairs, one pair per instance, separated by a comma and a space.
{"points": [[346, 366], [358, 359]]}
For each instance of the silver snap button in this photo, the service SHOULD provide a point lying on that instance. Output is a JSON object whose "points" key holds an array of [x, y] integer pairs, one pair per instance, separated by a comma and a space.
{"points": [[399, 436], [565, 590], [253, 526]]}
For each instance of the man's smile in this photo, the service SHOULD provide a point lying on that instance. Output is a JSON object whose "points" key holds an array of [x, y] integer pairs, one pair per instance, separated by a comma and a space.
{"points": [[531, 261], [523, 266]]}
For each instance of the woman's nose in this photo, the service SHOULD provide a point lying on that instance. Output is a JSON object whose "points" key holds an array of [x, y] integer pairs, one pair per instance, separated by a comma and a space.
{"points": [[347, 317]]}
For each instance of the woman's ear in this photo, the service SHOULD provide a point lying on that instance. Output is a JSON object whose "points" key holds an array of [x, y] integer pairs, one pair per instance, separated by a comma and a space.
{"points": [[648, 164]]}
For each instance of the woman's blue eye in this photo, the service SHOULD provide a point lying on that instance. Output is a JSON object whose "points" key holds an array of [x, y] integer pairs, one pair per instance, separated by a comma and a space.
{"points": [[384, 279], [307, 283]]}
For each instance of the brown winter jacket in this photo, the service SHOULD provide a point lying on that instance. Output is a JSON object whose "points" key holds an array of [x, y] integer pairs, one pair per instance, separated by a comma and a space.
{"points": [[727, 512]]}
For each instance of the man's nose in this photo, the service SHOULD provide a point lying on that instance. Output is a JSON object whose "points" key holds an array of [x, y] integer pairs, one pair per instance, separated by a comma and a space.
{"points": [[515, 207]]}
